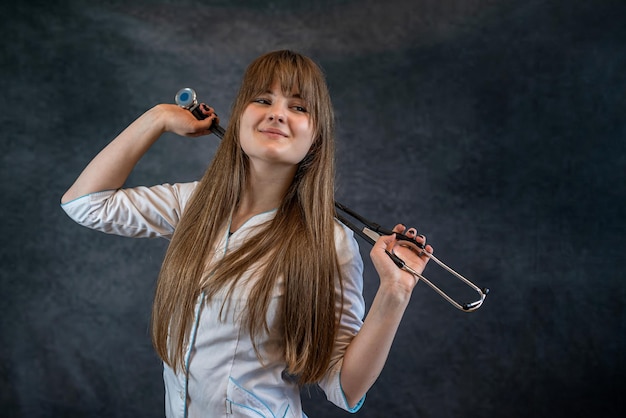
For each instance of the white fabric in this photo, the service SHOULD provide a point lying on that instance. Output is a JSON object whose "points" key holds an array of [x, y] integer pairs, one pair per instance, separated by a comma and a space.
{"points": [[225, 376]]}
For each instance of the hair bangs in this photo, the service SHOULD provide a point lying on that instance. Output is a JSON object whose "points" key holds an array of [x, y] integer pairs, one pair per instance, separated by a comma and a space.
{"points": [[296, 75]]}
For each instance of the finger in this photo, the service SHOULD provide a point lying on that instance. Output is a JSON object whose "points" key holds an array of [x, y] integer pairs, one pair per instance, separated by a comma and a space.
{"points": [[391, 242], [206, 109], [420, 239], [202, 127], [206, 123], [209, 112], [385, 241], [425, 253]]}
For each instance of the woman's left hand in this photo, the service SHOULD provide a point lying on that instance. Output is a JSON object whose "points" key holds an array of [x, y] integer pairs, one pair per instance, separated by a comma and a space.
{"points": [[390, 274], [368, 351]]}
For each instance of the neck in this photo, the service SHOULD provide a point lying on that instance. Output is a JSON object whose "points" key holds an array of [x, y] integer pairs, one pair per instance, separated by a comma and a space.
{"points": [[264, 191]]}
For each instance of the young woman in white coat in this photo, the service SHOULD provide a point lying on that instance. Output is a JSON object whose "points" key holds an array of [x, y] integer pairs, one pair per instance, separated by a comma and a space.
{"points": [[260, 291]]}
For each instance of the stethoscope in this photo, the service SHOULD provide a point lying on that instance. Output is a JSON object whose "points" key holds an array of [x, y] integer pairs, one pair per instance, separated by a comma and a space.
{"points": [[370, 232]]}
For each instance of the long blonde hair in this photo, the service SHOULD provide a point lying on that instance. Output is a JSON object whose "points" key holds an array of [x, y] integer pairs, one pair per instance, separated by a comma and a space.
{"points": [[298, 244]]}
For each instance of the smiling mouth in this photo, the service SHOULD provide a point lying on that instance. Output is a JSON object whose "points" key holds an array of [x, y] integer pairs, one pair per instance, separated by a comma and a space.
{"points": [[273, 132]]}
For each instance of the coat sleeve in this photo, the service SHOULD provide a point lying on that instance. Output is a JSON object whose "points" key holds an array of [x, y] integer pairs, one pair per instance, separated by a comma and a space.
{"points": [[352, 313], [140, 212]]}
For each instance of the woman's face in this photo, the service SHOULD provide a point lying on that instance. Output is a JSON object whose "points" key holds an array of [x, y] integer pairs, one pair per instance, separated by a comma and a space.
{"points": [[276, 129]]}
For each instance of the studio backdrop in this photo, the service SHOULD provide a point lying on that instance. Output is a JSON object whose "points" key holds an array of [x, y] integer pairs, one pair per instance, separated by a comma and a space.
{"points": [[496, 127]]}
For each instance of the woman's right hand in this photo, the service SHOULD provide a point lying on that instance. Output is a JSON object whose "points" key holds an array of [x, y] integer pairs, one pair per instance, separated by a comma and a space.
{"points": [[182, 122]]}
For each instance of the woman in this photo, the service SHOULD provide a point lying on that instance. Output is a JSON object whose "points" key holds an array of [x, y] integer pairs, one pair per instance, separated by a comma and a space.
{"points": [[260, 290]]}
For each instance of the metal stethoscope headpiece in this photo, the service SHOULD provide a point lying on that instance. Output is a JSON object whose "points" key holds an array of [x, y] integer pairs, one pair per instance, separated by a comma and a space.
{"points": [[187, 99]]}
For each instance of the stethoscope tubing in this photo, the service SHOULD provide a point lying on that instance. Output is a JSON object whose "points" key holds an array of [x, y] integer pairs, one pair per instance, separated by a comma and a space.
{"points": [[186, 98]]}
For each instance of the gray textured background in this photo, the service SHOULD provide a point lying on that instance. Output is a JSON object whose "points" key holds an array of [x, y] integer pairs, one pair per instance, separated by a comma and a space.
{"points": [[495, 126]]}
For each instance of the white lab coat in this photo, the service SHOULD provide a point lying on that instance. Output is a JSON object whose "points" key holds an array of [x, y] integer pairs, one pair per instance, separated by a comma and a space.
{"points": [[225, 378]]}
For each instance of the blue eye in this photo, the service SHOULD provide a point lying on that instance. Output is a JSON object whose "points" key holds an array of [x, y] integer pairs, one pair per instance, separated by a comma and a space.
{"points": [[300, 109], [262, 101]]}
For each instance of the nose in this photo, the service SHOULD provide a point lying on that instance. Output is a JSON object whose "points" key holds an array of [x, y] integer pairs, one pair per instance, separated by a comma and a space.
{"points": [[276, 114], [276, 118]]}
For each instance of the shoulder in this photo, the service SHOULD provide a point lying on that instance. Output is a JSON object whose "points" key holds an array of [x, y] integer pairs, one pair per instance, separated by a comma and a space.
{"points": [[182, 191], [345, 243]]}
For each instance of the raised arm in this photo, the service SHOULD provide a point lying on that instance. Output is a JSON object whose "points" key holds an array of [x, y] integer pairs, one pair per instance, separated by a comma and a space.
{"points": [[112, 166], [367, 353]]}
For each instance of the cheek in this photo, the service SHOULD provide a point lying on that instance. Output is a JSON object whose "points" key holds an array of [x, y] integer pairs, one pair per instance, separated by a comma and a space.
{"points": [[305, 130], [246, 127], [245, 119], [305, 141], [249, 116], [243, 137]]}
